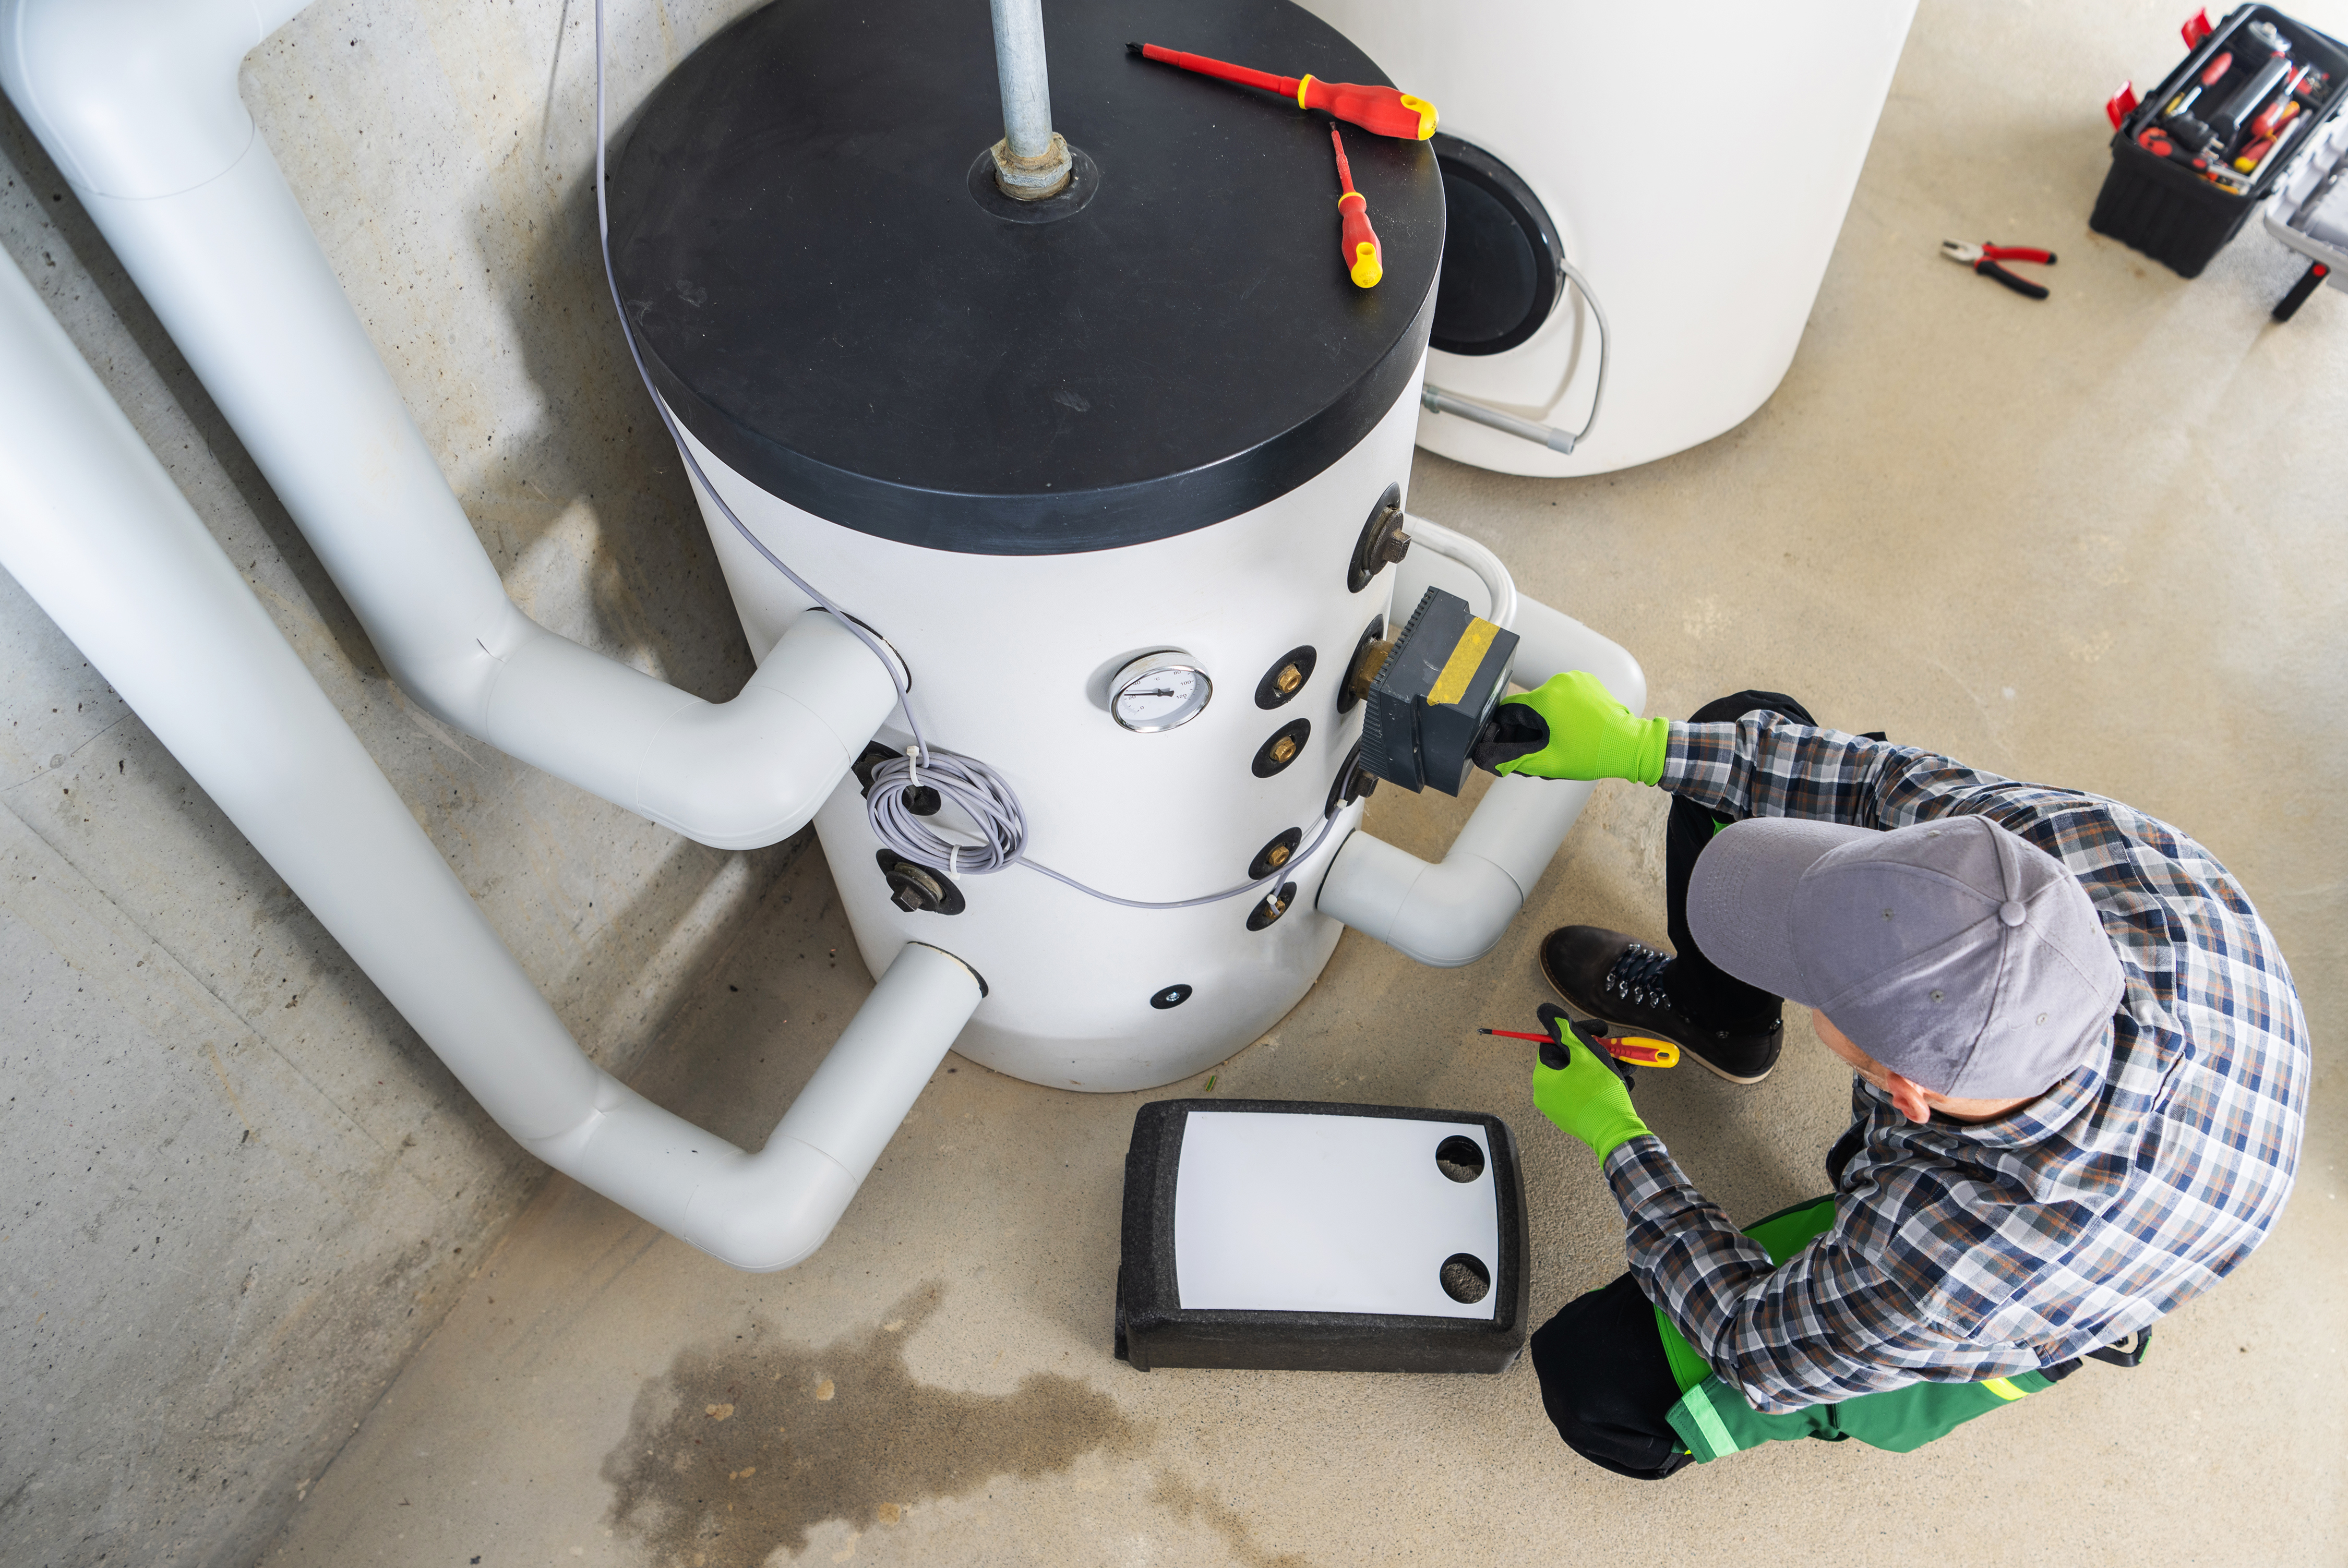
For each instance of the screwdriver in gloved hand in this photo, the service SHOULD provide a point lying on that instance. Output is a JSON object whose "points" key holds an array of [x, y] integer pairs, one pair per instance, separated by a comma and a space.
{"points": [[1358, 243], [1389, 111], [1639, 1051]]}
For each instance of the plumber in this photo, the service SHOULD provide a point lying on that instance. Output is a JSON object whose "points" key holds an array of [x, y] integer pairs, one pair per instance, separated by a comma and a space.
{"points": [[2079, 1079]]}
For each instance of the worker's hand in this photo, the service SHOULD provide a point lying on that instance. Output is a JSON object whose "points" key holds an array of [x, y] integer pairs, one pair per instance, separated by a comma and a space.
{"points": [[1587, 1096], [1571, 727]]}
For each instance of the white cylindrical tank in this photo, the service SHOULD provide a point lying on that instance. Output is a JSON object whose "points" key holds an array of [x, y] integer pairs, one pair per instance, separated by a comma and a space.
{"points": [[1031, 444], [1696, 164]]}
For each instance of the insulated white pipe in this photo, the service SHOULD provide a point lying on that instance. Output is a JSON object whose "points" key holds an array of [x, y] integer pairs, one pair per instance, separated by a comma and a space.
{"points": [[92, 527], [1454, 913], [136, 101]]}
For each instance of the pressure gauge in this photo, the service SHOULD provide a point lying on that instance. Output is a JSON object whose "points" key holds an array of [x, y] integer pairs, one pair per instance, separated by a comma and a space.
{"points": [[1158, 691]]}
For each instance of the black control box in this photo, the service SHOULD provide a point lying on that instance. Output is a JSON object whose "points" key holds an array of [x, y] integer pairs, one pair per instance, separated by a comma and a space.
{"points": [[1433, 695]]}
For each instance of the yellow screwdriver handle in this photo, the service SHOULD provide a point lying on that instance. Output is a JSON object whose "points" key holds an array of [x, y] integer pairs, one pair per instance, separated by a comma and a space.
{"points": [[1663, 1052]]}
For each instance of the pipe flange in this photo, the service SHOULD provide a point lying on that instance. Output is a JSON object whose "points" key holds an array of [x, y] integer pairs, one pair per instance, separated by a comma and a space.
{"points": [[1032, 179], [916, 889], [1075, 195], [1382, 543], [1272, 906]]}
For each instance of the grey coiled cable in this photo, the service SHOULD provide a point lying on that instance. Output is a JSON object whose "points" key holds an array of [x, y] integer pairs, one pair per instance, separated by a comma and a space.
{"points": [[976, 790], [980, 793]]}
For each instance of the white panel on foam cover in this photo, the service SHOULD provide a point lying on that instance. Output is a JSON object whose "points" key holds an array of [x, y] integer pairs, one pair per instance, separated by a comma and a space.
{"points": [[1286, 1212]]}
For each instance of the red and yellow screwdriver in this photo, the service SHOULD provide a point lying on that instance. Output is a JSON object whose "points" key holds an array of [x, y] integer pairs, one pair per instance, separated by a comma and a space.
{"points": [[1639, 1051], [1357, 241], [1389, 111]]}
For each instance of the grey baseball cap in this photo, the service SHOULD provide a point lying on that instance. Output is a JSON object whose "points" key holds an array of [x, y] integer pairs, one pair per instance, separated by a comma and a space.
{"points": [[1953, 952]]}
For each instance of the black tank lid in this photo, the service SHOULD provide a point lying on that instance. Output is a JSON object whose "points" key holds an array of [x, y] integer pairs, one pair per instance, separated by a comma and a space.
{"points": [[824, 303]]}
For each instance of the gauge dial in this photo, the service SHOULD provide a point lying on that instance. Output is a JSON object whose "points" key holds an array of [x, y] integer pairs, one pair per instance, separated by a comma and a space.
{"points": [[1158, 691]]}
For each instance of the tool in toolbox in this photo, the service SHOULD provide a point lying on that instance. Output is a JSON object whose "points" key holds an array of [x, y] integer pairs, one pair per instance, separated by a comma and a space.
{"points": [[1357, 241], [2158, 142], [2257, 152], [2226, 122], [1984, 259], [1639, 1051], [1389, 111]]}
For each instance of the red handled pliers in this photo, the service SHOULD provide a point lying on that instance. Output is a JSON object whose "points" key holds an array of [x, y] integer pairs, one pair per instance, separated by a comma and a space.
{"points": [[1984, 259]]}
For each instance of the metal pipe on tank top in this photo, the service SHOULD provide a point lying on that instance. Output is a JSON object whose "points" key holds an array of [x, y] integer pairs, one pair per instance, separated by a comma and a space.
{"points": [[1031, 160], [1027, 82]]}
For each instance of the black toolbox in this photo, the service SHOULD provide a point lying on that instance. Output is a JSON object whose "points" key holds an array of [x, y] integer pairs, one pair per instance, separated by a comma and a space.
{"points": [[2161, 206]]}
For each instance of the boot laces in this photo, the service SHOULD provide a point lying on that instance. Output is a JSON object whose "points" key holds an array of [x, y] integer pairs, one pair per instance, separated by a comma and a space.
{"points": [[1638, 976]]}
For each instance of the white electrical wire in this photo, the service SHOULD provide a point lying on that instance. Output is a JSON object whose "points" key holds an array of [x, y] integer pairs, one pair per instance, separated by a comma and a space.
{"points": [[975, 789]]}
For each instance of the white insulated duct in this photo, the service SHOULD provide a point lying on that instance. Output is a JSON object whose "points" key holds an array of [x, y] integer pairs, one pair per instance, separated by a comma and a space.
{"points": [[1455, 912], [92, 527], [136, 102]]}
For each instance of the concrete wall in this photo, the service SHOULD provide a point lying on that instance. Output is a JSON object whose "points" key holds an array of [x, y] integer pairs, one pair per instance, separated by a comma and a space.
{"points": [[239, 1190]]}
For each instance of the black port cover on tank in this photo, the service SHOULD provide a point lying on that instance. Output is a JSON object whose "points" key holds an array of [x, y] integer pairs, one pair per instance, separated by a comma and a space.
{"points": [[1500, 255], [823, 303]]}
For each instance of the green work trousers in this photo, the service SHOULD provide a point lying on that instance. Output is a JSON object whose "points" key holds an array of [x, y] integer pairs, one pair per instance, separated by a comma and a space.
{"points": [[1712, 1418]]}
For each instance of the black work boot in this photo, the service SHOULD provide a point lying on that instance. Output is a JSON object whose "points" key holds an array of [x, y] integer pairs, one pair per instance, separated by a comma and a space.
{"points": [[1607, 975]]}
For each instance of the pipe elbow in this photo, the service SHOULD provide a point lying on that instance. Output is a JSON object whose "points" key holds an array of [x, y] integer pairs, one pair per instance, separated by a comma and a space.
{"points": [[733, 775], [756, 1211], [772, 1210], [134, 99], [1444, 916], [754, 771]]}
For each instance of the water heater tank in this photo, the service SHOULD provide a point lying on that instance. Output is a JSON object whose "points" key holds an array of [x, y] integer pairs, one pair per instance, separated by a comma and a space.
{"points": [[1096, 468], [1694, 163]]}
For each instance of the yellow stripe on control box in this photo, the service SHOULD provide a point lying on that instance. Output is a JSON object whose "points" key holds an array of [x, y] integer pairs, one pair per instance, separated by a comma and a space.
{"points": [[1467, 655]]}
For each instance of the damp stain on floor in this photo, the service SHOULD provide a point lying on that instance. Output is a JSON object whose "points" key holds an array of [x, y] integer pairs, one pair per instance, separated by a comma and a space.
{"points": [[737, 1451]]}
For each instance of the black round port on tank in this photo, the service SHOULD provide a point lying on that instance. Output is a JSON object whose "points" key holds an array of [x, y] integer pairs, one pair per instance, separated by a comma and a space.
{"points": [[1286, 677], [1382, 542], [1353, 782], [1275, 854], [916, 889], [1500, 254], [1465, 1278], [1461, 1159], [1272, 906], [1171, 997], [1286, 744], [920, 799], [1370, 633], [796, 231]]}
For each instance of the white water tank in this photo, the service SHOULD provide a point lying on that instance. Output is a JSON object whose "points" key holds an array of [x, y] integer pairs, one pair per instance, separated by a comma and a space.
{"points": [[1030, 446], [1695, 162]]}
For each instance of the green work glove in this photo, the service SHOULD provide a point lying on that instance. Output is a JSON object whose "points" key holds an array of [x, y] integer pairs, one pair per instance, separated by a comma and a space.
{"points": [[1571, 727], [1587, 1096]]}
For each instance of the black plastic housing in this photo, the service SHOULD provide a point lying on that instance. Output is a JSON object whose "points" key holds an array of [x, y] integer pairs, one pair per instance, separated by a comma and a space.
{"points": [[1434, 694], [1154, 1329]]}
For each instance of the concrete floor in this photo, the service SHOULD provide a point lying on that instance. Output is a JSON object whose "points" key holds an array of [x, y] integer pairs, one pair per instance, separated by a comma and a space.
{"points": [[2096, 542]]}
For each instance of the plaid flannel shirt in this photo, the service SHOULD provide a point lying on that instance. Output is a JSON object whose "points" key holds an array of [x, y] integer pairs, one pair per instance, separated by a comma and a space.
{"points": [[1961, 1252]]}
